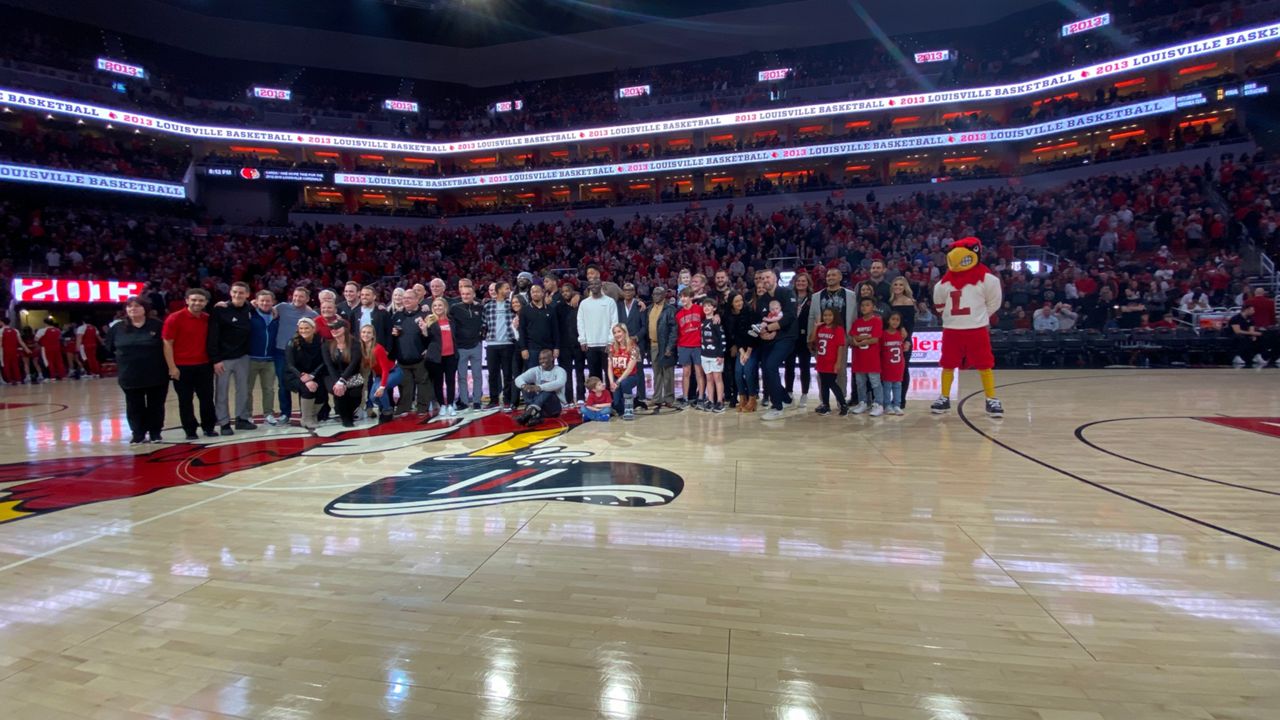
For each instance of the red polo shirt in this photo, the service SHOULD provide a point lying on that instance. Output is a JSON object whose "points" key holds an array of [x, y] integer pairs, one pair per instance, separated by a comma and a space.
{"points": [[190, 335]]}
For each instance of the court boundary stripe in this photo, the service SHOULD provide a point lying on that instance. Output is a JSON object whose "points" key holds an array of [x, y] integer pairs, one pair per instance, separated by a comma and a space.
{"points": [[1154, 506], [1079, 433]]}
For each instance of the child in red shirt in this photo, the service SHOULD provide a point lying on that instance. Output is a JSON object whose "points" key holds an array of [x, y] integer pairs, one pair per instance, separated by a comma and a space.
{"points": [[828, 341], [893, 362], [864, 336], [599, 405], [689, 343]]}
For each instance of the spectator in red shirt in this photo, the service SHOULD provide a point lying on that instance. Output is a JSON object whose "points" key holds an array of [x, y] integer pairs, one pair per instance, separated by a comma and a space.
{"points": [[185, 335], [1264, 309]]}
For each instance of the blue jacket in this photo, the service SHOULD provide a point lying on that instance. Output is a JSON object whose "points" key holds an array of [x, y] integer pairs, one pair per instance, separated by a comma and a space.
{"points": [[262, 336]]}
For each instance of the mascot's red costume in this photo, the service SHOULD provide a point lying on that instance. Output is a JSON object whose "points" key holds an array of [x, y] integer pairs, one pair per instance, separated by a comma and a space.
{"points": [[966, 298]]}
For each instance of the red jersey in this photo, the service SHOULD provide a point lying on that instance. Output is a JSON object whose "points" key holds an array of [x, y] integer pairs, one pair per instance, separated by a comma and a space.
{"points": [[1264, 311], [619, 358], [190, 335], [689, 327], [867, 359], [831, 340], [599, 397], [9, 340], [893, 359]]}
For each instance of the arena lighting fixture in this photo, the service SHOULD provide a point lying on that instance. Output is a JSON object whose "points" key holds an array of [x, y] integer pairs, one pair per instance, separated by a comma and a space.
{"points": [[1210, 45]]}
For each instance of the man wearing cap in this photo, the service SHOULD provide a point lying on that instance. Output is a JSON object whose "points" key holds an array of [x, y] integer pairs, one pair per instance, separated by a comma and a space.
{"points": [[631, 314]]}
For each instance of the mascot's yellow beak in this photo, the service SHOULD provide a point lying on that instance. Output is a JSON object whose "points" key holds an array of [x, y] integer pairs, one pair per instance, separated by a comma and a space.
{"points": [[960, 259]]}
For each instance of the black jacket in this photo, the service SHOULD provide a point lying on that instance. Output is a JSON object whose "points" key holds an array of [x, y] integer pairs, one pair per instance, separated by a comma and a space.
{"points": [[738, 326], [433, 343], [539, 329], [303, 357], [567, 319], [381, 321], [409, 346], [139, 354], [345, 369], [467, 322], [229, 331]]}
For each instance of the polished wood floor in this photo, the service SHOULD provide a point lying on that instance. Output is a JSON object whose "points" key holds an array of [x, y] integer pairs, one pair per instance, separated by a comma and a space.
{"points": [[1101, 553]]}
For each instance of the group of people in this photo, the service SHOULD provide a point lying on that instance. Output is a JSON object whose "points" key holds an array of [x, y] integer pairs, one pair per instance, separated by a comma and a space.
{"points": [[51, 353], [544, 345]]}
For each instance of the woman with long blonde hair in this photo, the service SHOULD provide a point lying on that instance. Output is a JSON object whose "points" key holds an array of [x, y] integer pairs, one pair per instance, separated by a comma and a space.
{"points": [[903, 302], [625, 374]]}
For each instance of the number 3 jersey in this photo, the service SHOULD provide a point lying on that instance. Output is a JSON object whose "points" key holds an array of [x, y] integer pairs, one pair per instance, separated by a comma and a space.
{"points": [[969, 306]]}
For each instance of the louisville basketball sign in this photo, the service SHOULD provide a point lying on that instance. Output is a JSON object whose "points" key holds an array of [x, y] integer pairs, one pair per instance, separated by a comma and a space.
{"points": [[522, 464]]}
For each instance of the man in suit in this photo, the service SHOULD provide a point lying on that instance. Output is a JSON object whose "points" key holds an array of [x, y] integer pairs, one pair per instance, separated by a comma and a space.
{"points": [[631, 314], [367, 312]]}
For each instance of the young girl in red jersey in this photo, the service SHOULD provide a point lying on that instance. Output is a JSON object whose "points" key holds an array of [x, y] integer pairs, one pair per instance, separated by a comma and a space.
{"points": [[893, 362], [828, 342], [865, 338]]}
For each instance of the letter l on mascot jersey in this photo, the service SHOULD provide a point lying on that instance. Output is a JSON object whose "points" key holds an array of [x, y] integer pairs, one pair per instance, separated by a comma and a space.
{"points": [[966, 298]]}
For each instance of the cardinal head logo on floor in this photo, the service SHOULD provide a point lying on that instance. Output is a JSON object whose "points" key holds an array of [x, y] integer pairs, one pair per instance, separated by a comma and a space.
{"points": [[522, 464]]}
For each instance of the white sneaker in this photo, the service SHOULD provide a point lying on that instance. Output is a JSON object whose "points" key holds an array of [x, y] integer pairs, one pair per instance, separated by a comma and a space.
{"points": [[1237, 361], [772, 415], [896, 411], [858, 409], [876, 410], [451, 410], [804, 401], [1258, 361], [272, 419]]}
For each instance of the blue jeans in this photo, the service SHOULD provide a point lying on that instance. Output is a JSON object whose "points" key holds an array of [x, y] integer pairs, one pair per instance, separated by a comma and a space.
{"points": [[598, 415], [748, 374], [284, 396], [625, 386], [375, 381], [892, 394], [775, 354], [876, 390]]}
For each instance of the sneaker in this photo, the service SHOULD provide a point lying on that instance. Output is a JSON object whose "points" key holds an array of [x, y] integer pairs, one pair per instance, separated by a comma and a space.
{"points": [[137, 439], [772, 415], [1237, 361], [452, 411], [718, 408], [475, 406], [844, 411], [896, 411], [245, 425], [490, 406], [212, 433], [192, 436], [876, 410], [1259, 362], [226, 430], [823, 410], [994, 408], [940, 406], [681, 404], [804, 401], [155, 437], [788, 401], [272, 420], [859, 409], [461, 406]]}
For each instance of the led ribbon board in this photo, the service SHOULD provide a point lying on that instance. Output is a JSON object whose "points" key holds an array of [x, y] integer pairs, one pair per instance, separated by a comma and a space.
{"points": [[918, 142], [62, 290], [109, 183], [1174, 53]]}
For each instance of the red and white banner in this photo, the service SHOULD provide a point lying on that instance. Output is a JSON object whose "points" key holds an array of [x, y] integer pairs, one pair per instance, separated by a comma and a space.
{"points": [[37, 175], [1140, 61], [773, 74], [61, 290], [266, 93], [933, 56], [634, 91], [1086, 24], [1123, 113], [405, 106], [120, 68]]}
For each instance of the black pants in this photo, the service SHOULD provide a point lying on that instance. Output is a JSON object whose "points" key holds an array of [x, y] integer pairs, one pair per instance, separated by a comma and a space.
{"points": [[348, 403], [803, 358], [195, 382], [597, 361], [548, 402], [415, 389], [827, 383], [444, 378], [574, 363], [501, 386], [906, 380], [731, 378], [144, 409]]}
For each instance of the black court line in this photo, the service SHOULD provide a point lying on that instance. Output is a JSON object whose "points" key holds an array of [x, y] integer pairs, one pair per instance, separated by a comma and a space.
{"points": [[1092, 483], [1080, 436]]}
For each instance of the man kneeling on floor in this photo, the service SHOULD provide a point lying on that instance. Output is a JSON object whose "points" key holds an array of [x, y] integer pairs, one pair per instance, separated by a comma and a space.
{"points": [[543, 388]]}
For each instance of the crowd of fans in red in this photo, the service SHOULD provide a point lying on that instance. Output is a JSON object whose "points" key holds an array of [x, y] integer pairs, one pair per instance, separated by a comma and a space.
{"points": [[1129, 248]]}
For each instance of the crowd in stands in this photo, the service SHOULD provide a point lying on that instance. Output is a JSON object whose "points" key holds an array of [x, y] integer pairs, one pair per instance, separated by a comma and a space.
{"points": [[27, 140], [867, 68]]}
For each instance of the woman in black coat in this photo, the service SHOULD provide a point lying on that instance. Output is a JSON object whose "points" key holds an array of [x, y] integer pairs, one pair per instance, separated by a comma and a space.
{"points": [[141, 370], [304, 370], [342, 366]]}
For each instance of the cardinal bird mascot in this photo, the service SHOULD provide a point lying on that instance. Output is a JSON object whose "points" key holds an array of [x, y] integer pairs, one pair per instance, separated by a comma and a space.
{"points": [[966, 297]]}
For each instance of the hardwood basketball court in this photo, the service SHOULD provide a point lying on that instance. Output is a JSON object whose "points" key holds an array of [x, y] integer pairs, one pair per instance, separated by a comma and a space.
{"points": [[1111, 549]]}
